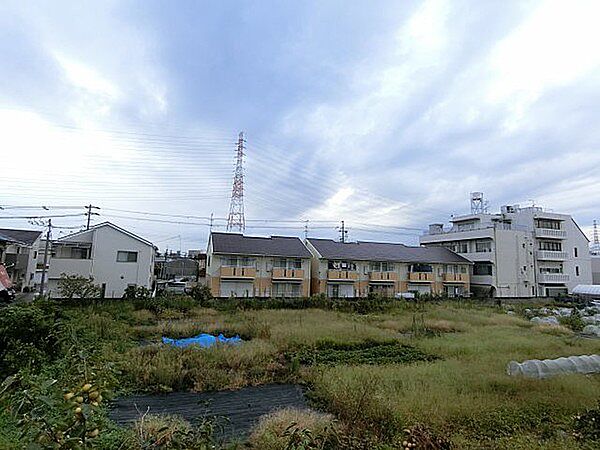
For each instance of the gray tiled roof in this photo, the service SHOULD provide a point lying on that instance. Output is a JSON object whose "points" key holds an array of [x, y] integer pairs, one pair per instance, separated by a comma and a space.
{"points": [[26, 237], [384, 251], [235, 243]]}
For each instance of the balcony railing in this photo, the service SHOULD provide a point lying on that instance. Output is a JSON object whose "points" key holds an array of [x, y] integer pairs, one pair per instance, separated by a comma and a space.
{"points": [[342, 275], [383, 276], [456, 278], [420, 276], [288, 274], [238, 272], [550, 233], [553, 278], [551, 255]]}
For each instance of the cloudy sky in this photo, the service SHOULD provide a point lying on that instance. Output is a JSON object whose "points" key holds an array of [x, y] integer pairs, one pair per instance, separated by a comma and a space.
{"points": [[384, 114]]}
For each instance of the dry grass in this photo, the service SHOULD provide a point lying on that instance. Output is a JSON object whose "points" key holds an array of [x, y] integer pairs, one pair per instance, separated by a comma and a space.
{"points": [[275, 431]]}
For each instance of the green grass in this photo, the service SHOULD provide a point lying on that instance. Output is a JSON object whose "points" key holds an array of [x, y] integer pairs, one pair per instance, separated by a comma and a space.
{"points": [[438, 369]]}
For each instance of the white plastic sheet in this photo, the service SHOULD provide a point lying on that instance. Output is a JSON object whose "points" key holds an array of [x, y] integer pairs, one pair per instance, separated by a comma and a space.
{"points": [[593, 330], [551, 320], [535, 368]]}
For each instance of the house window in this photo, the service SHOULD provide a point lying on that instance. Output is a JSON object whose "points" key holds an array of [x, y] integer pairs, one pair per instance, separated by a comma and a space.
{"points": [[576, 271], [124, 256], [575, 252], [71, 253], [551, 246], [282, 263]]}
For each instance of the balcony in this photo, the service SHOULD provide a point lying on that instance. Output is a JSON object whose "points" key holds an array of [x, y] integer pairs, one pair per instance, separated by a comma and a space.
{"points": [[553, 278], [383, 277], [547, 255], [550, 233], [456, 278], [247, 273], [288, 274], [426, 277], [342, 275]]}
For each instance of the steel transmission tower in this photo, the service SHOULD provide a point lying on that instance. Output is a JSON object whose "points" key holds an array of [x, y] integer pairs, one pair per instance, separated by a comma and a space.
{"points": [[236, 220]]}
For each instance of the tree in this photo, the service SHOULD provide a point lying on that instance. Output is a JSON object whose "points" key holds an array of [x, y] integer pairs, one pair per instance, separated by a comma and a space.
{"points": [[71, 286]]}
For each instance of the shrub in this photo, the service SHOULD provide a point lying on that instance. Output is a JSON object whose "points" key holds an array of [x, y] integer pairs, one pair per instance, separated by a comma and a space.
{"points": [[163, 302], [202, 294], [136, 293], [29, 336], [574, 321], [77, 286]]}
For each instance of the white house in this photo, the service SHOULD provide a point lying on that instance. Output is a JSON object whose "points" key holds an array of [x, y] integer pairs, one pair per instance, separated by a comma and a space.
{"points": [[18, 253], [115, 258], [519, 252]]}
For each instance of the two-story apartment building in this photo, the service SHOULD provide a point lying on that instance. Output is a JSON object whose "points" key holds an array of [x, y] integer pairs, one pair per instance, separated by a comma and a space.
{"points": [[248, 266], [115, 258], [519, 252], [18, 253], [355, 269]]}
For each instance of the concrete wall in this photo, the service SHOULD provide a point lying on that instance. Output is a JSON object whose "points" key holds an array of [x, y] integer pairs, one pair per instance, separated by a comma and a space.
{"points": [[595, 263]]}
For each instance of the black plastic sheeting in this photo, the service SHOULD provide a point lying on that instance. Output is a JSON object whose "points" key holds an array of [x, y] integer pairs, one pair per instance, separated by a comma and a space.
{"points": [[235, 412]]}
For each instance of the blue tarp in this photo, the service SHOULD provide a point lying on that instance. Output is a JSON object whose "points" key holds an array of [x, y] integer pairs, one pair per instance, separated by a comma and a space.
{"points": [[203, 340]]}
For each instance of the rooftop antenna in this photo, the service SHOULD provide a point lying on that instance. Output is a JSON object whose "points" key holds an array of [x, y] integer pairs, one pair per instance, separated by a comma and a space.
{"points": [[596, 241], [478, 204], [236, 219]]}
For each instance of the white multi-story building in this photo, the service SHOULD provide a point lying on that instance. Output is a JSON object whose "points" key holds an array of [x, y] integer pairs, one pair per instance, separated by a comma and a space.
{"points": [[519, 252], [115, 258], [18, 253]]}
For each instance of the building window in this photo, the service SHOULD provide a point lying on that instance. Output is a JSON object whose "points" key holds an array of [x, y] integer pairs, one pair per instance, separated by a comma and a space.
{"points": [[123, 256], [551, 270], [576, 271], [483, 246], [548, 224], [282, 263], [575, 252], [71, 253], [428, 268], [482, 269], [341, 265], [382, 266], [551, 246]]}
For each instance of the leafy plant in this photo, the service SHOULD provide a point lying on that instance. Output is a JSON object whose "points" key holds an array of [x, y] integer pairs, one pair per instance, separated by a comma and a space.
{"points": [[77, 286], [136, 293], [202, 294]]}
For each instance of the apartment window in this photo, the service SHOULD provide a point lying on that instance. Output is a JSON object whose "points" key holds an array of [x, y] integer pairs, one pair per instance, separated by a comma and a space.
{"points": [[483, 246], [548, 224], [482, 269], [34, 255], [282, 263], [341, 265], [382, 266], [551, 246], [123, 256], [428, 268], [551, 270], [576, 271], [279, 263], [463, 269], [575, 252]]}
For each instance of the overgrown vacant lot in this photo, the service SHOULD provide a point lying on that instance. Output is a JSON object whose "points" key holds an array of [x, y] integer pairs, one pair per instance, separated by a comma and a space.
{"points": [[433, 374]]}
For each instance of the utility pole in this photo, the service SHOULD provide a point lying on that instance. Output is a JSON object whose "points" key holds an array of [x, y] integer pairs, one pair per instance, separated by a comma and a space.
{"points": [[343, 232], [89, 214], [46, 248], [306, 229], [236, 217]]}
